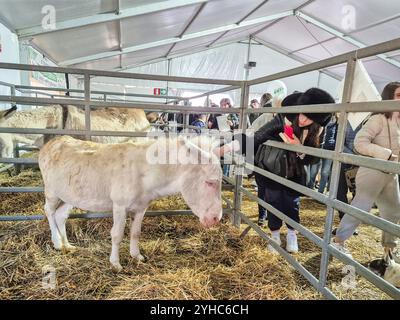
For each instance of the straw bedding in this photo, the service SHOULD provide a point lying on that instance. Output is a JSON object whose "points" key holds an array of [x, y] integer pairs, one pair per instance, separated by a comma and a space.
{"points": [[184, 261]]}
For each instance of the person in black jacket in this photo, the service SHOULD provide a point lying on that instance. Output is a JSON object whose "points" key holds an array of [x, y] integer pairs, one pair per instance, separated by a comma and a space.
{"points": [[307, 129]]}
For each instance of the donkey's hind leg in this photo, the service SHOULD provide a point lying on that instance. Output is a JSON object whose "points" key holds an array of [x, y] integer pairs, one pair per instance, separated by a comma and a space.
{"points": [[61, 216], [50, 208]]}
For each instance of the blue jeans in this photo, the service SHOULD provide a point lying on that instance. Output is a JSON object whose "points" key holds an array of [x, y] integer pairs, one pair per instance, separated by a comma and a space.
{"points": [[312, 171], [225, 169], [326, 166]]}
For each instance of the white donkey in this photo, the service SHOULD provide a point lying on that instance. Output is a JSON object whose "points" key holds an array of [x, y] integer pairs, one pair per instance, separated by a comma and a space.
{"points": [[125, 178], [51, 117]]}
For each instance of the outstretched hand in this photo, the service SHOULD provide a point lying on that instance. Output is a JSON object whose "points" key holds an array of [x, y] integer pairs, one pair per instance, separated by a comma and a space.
{"points": [[286, 139], [233, 146]]}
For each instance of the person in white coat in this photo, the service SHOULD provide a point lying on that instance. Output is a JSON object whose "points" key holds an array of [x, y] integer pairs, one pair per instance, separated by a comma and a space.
{"points": [[378, 138]]}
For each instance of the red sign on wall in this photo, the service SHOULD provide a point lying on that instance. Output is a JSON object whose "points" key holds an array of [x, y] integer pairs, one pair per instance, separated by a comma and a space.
{"points": [[160, 91]]}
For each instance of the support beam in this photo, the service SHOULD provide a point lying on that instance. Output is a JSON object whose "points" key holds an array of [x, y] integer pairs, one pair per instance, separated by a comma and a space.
{"points": [[7, 24], [40, 50], [176, 39], [298, 59], [217, 39], [343, 36], [119, 31], [375, 24], [199, 10], [173, 56], [24, 59], [107, 17], [305, 4], [311, 45], [252, 11], [240, 21], [333, 61]]}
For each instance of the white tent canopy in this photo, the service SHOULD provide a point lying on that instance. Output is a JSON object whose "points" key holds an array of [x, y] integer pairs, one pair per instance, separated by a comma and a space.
{"points": [[141, 36]]}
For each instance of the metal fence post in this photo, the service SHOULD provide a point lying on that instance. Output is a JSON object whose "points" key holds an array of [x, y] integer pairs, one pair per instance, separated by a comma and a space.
{"points": [[12, 91], [186, 122], [335, 176], [16, 155], [87, 105], [239, 168]]}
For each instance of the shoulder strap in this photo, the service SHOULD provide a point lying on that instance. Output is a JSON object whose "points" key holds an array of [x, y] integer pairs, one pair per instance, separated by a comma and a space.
{"points": [[390, 137]]}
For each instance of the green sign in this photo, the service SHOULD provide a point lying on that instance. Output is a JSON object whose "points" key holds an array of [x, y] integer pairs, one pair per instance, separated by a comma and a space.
{"points": [[48, 78], [278, 91]]}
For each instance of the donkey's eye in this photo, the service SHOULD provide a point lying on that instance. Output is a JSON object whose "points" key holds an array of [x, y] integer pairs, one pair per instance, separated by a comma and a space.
{"points": [[212, 184]]}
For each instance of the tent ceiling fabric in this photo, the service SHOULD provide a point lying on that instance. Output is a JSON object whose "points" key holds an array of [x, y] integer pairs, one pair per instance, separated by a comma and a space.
{"points": [[276, 6], [366, 12], [296, 34], [195, 43], [380, 33], [164, 24], [126, 4], [375, 21], [27, 13], [326, 50], [222, 12], [89, 40]]}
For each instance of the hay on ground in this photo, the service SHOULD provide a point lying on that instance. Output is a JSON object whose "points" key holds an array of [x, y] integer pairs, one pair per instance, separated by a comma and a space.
{"points": [[184, 261]]}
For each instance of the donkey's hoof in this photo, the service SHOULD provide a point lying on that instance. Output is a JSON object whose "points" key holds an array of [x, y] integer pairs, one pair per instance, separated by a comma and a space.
{"points": [[138, 257], [57, 246], [69, 248], [116, 267]]}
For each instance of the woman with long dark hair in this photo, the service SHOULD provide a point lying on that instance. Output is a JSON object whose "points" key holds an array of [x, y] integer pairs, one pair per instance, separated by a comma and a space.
{"points": [[378, 138]]}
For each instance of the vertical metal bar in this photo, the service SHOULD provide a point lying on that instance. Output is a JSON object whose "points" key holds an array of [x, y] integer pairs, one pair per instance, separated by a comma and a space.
{"points": [[16, 155], [87, 104], [239, 169], [319, 79], [186, 122], [67, 84], [12, 91], [168, 73], [24, 58], [104, 97], [335, 176], [247, 68], [247, 74]]}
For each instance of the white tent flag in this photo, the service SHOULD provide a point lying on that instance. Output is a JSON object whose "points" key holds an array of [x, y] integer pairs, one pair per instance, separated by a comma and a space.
{"points": [[363, 90]]}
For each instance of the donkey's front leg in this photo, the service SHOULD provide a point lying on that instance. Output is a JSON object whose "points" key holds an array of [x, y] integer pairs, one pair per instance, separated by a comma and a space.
{"points": [[117, 233], [136, 226]]}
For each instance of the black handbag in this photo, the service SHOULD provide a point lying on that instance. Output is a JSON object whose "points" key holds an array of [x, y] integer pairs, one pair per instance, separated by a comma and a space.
{"points": [[273, 159]]}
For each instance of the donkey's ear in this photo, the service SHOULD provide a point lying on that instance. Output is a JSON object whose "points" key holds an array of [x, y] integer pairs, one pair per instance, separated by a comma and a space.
{"points": [[378, 266], [388, 258], [5, 114], [195, 148]]}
